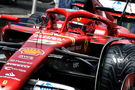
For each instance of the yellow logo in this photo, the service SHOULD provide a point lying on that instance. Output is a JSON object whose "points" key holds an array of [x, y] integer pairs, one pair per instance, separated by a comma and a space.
{"points": [[32, 51], [79, 19], [86, 43], [4, 82]]}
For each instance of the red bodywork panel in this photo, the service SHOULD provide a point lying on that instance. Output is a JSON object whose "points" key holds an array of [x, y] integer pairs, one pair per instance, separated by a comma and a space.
{"points": [[20, 28], [43, 41], [31, 55], [32, 50]]}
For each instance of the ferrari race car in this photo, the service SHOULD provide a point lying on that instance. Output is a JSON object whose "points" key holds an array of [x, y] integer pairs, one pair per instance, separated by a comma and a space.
{"points": [[72, 50]]}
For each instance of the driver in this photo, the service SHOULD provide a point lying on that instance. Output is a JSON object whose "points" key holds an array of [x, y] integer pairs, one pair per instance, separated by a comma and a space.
{"points": [[85, 24]]}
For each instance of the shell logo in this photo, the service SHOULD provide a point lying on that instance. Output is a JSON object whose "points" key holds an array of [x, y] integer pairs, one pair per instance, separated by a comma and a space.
{"points": [[32, 51]]}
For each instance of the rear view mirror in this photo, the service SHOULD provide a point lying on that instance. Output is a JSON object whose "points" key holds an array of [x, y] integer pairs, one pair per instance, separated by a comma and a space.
{"points": [[10, 18]]}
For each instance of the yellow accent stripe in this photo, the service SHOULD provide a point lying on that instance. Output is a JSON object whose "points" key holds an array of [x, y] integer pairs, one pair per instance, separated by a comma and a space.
{"points": [[86, 43]]}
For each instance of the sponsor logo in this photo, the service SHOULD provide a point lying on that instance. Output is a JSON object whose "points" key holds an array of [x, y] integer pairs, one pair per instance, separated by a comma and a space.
{"points": [[10, 74], [32, 51], [60, 37], [46, 84], [14, 78], [43, 41], [59, 25], [117, 5], [12, 68], [50, 86], [18, 65], [99, 32], [26, 57], [79, 19], [19, 61], [49, 37], [4, 82]]}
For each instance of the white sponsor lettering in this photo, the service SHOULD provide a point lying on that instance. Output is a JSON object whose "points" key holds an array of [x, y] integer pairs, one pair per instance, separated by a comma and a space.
{"points": [[49, 37], [26, 57], [18, 65], [99, 32], [59, 25], [42, 41], [10, 74], [14, 78], [19, 61], [14, 69]]}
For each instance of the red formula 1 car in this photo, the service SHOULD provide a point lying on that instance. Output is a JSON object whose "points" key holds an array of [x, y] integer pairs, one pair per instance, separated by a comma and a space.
{"points": [[66, 53]]}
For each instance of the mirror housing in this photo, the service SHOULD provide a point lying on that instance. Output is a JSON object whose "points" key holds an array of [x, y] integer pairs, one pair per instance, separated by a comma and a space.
{"points": [[10, 18]]}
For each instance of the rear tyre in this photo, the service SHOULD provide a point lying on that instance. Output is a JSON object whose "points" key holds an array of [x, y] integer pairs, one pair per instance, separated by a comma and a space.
{"points": [[118, 62]]}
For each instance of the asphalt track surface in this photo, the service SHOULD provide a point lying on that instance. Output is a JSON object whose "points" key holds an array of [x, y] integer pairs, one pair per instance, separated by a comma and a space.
{"points": [[23, 7]]}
